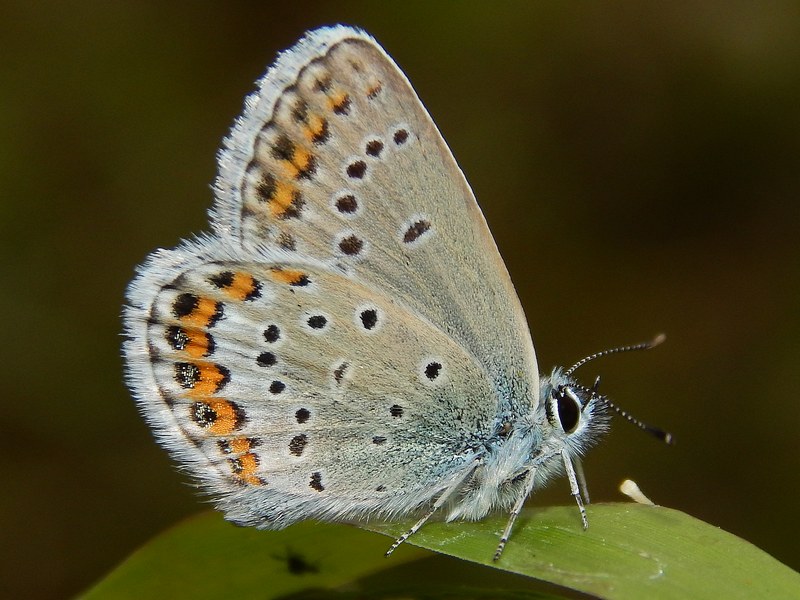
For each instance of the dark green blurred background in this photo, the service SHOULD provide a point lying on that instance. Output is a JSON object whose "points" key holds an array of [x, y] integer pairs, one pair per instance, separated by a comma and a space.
{"points": [[639, 165]]}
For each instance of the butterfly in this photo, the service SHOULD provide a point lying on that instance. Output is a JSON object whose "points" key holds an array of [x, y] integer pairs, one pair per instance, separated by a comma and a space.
{"points": [[347, 343]]}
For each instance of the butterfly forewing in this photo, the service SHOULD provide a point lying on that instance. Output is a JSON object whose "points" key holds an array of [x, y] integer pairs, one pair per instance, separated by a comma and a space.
{"points": [[336, 158]]}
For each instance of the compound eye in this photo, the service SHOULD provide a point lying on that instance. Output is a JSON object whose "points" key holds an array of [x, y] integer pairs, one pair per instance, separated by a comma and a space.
{"points": [[569, 412]]}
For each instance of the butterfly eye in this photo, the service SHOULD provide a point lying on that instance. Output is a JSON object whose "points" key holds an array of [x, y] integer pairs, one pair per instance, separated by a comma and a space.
{"points": [[569, 412]]}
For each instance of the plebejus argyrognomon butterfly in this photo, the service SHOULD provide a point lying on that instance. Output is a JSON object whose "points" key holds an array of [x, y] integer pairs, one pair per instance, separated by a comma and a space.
{"points": [[347, 343]]}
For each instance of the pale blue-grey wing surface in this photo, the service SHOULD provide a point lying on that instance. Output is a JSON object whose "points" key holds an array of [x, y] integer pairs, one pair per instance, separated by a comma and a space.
{"points": [[289, 391], [336, 158]]}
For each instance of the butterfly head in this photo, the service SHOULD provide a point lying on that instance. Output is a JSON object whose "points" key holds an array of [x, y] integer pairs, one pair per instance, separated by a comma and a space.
{"points": [[578, 415]]}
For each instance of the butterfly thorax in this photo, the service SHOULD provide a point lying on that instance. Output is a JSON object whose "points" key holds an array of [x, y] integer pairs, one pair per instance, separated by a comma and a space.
{"points": [[565, 423]]}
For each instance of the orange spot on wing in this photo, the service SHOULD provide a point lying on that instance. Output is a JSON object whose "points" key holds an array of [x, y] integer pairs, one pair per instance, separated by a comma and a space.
{"points": [[374, 89], [239, 445], [300, 165], [242, 287], [249, 466], [244, 468], [314, 128], [211, 380], [339, 101], [228, 419], [283, 197], [199, 343], [204, 313], [303, 159], [290, 170], [290, 276]]}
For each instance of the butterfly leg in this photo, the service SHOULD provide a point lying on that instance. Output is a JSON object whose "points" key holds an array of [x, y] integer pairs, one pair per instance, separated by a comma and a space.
{"points": [[445, 495], [582, 480], [526, 491], [574, 488]]}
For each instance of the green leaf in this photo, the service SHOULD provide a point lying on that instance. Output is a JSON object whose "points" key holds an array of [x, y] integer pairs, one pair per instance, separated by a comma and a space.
{"points": [[629, 551], [206, 557]]}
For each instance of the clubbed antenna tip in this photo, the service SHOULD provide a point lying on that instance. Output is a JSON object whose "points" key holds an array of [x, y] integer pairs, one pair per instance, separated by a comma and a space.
{"points": [[664, 436], [643, 346]]}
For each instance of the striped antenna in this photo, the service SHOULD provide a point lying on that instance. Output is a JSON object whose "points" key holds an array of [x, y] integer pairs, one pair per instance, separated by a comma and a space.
{"points": [[643, 346]]}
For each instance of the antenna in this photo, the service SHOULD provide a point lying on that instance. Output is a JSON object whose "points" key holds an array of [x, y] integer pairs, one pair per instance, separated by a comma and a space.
{"points": [[643, 346], [662, 435]]}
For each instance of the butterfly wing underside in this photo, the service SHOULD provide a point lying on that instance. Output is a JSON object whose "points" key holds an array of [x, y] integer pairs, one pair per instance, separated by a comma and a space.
{"points": [[337, 158], [344, 343]]}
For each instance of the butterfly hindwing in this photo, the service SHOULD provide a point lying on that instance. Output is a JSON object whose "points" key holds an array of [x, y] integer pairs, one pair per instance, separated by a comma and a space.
{"points": [[283, 399]]}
